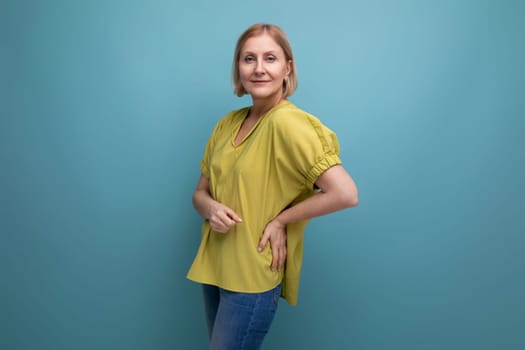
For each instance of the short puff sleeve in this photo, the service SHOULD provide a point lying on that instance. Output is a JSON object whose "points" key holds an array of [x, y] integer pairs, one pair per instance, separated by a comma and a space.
{"points": [[304, 146], [210, 145]]}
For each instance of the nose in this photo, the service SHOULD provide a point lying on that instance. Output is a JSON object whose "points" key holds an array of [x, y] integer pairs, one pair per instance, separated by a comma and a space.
{"points": [[259, 68]]}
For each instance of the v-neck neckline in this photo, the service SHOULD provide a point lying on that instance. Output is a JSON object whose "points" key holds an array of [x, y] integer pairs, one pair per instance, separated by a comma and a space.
{"points": [[236, 130]]}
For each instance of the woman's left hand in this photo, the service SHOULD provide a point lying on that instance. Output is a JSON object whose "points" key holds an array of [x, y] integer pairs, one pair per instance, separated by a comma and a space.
{"points": [[275, 233]]}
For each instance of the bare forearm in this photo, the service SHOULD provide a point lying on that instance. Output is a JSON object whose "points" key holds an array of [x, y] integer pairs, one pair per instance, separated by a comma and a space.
{"points": [[202, 202], [220, 217], [338, 191], [318, 205]]}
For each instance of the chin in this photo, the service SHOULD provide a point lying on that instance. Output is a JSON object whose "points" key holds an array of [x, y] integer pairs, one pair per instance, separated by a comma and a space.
{"points": [[263, 94]]}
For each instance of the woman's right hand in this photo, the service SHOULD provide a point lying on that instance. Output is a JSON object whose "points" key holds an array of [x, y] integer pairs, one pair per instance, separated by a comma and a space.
{"points": [[222, 218]]}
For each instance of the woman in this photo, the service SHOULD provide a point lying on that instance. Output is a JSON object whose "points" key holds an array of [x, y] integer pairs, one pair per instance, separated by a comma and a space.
{"points": [[266, 170]]}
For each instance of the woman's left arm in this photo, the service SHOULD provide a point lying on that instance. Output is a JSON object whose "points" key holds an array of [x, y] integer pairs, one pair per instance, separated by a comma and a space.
{"points": [[337, 191]]}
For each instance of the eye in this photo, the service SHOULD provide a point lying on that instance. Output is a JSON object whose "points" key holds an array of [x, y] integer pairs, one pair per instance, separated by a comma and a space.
{"points": [[249, 59], [271, 58]]}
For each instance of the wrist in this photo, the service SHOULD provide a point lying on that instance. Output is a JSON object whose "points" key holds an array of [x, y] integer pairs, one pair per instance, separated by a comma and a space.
{"points": [[278, 220], [211, 208]]}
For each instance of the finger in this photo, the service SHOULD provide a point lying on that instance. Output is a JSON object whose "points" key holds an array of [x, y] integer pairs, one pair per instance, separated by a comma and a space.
{"points": [[233, 216], [277, 246], [275, 258], [214, 223], [227, 222], [221, 224], [278, 250], [218, 228], [263, 242], [282, 257]]}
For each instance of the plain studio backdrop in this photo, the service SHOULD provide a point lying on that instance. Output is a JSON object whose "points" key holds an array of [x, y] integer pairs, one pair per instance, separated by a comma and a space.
{"points": [[106, 107]]}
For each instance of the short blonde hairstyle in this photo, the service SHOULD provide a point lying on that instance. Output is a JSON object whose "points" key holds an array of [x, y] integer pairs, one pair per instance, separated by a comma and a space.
{"points": [[289, 83]]}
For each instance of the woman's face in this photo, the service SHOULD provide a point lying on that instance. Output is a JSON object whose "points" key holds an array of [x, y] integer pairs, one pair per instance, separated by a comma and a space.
{"points": [[263, 67]]}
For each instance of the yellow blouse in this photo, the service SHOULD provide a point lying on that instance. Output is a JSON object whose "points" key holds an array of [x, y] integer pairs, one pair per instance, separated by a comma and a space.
{"points": [[275, 166]]}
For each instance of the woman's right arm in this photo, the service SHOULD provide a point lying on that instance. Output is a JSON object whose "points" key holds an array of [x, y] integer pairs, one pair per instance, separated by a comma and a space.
{"points": [[221, 218]]}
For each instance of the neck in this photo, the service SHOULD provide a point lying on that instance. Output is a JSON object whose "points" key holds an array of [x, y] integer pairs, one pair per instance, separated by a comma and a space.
{"points": [[260, 107]]}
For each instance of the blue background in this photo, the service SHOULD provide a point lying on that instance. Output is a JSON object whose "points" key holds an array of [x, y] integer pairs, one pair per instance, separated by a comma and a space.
{"points": [[106, 107]]}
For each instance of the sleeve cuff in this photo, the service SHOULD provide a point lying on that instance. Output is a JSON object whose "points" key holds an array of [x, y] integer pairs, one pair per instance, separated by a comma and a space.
{"points": [[320, 167]]}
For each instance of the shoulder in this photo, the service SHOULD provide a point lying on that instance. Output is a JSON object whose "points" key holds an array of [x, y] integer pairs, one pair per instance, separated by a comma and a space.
{"points": [[291, 118], [288, 110], [230, 119]]}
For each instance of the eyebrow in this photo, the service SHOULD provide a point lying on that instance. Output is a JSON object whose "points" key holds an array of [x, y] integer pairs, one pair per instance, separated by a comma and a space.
{"points": [[264, 53]]}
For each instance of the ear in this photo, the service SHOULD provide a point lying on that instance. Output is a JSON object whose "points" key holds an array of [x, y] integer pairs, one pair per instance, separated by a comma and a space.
{"points": [[288, 67]]}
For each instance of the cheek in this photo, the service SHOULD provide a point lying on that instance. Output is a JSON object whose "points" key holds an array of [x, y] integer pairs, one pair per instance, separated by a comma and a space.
{"points": [[244, 73], [281, 74], [281, 71]]}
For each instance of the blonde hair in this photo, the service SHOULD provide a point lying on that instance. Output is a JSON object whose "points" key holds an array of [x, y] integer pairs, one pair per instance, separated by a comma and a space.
{"points": [[290, 82]]}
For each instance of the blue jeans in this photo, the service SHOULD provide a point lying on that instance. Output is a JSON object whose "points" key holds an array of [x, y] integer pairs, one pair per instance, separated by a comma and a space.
{"points": [[238, 321]]}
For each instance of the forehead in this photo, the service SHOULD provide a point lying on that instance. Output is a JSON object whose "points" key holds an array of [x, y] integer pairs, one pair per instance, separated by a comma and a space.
{"points": [[261, 43]]}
